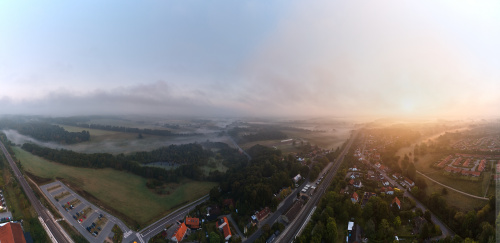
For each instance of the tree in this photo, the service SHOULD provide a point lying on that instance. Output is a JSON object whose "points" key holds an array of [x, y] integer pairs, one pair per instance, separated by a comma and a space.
{"points": [[266, 228], [214, 237], [427, 216], [444, 191], [384, 229], [397, 222], [331, 230]]}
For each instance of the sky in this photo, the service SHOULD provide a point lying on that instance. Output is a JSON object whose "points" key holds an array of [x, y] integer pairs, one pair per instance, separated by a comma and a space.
{"points": [[251, 58]]}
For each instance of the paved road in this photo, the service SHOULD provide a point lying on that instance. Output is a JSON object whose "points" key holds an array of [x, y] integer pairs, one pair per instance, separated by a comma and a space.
{"points": [[451, 188], [294, 228], [91, 217], [55, 232], [444, 228], [158, 226]]}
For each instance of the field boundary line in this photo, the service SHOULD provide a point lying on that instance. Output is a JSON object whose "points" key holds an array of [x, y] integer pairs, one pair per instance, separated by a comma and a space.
{"points": [[451, 188]]}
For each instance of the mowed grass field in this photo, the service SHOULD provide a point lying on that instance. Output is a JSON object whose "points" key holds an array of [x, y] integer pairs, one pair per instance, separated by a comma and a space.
{"points": [[125, 192], [477, 188], [453, 198]]}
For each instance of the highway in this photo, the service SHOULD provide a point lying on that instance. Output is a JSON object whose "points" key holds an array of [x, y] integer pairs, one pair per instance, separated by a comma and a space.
{"points": [[55, 232], [179, 214], [294, 228]]}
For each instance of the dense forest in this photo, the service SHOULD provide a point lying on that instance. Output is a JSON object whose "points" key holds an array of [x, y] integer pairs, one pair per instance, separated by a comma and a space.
{"points": [[190, 157], [45, 132]]}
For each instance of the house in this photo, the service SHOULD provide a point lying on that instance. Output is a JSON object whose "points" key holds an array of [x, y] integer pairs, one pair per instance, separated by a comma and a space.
{"points": [[354, 198], [367, 197], [398, 203], [472, 173], [383, 189], [385, 183], [228, 202], [179, 233], [452, 169], [396, 176], [358, 184], [389, 191], [354, 168], [409, 182], [419, 223], [192, 223], [351, 182], [377, 165], [12, 232], [297, 178], [263, 214], [223, 225], [482, 165]]}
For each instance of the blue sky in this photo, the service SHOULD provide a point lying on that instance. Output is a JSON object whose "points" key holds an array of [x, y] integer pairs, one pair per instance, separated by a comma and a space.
{"points": [[282, 58]]}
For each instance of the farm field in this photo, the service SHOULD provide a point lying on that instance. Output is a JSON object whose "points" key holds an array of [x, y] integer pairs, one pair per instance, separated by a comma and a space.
{"points": [[327, 140], [124, 192]]}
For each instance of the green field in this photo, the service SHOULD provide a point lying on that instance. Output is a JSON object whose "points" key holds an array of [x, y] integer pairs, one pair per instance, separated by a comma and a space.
{"points": [[453, 198], [124, 192], [102, 141]]}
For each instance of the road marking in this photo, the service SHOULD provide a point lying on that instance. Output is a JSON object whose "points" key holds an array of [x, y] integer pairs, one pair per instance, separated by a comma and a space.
{"points": [[139, 237]]}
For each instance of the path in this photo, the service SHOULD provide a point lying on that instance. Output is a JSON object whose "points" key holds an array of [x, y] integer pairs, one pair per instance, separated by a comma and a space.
{"points": [[451, 188]]}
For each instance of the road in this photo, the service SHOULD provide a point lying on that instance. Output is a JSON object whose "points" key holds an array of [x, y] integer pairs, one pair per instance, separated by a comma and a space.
{"points": [[55, 232], [294, 228], [451, 188], [155, 228], [444, 228]]}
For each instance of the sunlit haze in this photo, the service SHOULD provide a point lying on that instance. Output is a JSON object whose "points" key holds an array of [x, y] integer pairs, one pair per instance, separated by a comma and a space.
{"points": [[251, 58]]}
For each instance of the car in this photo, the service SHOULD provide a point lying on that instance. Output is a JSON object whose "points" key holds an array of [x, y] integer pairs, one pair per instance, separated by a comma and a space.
{"points": [[100, 215], [77, 214], [84, 216], [93, 224], [75, 217], [95, 232], [99, 228], [57, 200]]}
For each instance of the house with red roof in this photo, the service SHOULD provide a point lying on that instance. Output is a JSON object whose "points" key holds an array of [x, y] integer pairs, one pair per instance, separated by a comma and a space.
{"points": [[223, 225], [263, 214], [471, 173], [409, 182], [482, 165], [398, 203], [12, 233], [354, 198], [389, 191], [192, 223], [179, 233]]}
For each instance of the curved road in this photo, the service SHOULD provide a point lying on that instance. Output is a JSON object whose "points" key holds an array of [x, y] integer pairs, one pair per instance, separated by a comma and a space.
{"points": [[451, 188], [55, 232]]}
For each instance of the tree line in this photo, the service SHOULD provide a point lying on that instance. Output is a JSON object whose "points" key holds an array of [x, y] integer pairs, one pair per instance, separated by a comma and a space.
{"points": [[45, 132], [190, 157]]}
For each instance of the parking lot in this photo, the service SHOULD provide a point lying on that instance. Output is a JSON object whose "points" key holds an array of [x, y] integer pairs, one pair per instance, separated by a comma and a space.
{"points": [[93, 223]]}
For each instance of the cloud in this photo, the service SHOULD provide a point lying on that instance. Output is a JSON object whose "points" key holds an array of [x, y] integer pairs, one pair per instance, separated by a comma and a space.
{"points": [[159, 98]]}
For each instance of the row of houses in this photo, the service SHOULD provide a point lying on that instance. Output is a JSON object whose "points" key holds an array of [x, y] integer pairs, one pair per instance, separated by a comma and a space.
{"points": [[462, 171]]}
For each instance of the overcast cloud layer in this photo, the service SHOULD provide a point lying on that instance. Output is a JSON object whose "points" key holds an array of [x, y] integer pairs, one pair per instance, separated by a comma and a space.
{"points": [[315, 58]]}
